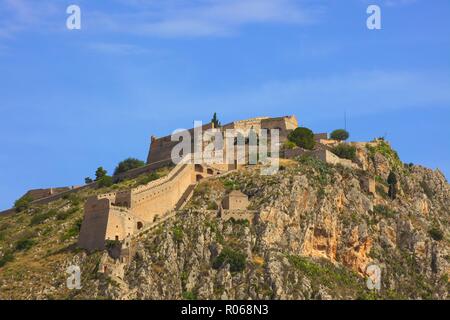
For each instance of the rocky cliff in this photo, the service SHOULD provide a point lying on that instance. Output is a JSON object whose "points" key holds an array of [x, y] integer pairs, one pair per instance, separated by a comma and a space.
{"points": [[315, 230]]}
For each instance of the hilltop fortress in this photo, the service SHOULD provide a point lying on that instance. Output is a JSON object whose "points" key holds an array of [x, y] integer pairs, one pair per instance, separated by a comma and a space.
{"points": [[119, 216]]}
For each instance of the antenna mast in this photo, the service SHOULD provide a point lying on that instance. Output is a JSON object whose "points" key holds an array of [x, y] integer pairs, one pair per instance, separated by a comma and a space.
{"points": [[345, 120]]}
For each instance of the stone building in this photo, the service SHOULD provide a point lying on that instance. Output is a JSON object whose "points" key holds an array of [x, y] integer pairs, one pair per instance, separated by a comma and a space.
{"points": [[235, 200], [161, 148]]}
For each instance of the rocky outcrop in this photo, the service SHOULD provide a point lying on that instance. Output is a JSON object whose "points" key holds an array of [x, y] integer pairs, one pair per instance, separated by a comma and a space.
{"points": [[316, 230], [316, 233]]}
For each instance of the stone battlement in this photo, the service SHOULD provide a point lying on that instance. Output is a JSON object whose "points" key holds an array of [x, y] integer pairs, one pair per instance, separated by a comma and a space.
{"points": [[121, 215], [115, 216]]}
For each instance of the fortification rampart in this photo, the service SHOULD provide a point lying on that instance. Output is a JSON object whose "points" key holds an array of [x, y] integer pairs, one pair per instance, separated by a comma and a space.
{"points": [[161, 148], [118, 215]]}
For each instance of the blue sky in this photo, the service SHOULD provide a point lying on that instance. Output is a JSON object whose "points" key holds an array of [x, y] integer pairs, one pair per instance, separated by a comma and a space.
{"points": [[71, 101]]}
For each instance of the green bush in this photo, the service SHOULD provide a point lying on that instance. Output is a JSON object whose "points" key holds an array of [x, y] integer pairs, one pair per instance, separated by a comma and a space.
{"points": [[6, 258], [302, 137], [212, 205], [235, 259], [63, 215], [231, 185], [436, 234], [289, 145], [105, 182], [189, 295], [73, 198], [147, 178], [111, 244], [340, 135], [23, 203], [41, 217], [24, 244], [383, 148], [177, 234], [384, 211], [324, 272], [344, 151], [128, 164], [73, 231]]}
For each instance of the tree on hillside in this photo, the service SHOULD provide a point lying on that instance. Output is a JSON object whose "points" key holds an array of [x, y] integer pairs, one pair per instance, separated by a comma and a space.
{"points": [[88, 180], [340, 135], [302, 137], [100, 173], [344, 151], [215, 121], [392, 182], [105, 181], [128, 164], [23, 203]]}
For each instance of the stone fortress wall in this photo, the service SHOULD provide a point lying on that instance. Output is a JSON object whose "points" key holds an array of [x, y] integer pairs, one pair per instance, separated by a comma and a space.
{"points": [[161, 148], [118, 215]]}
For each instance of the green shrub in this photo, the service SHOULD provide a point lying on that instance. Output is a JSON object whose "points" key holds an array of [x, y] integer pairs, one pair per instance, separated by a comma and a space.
{"points": [[147, 178], [289, 145], [189, 295], [73, 198], [302, 137], [177, 234], [73, 231], [128, 164], [7, 257], [24, 244], [63, 215], [23, 203], [235, 259], [384, 211], [436, 234], [212, 205], [340, 135], [324, 272], [231, 185], [111, 244], [383, 148], [41, 217], [344, 151], [105, 182]]}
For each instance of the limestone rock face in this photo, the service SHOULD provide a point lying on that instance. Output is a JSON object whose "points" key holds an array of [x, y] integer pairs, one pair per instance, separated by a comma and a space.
{"points": [[316, 230]]}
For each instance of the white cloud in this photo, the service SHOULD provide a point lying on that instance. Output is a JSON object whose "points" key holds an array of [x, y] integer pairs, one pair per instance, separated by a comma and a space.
{"points": [[173, 18]]}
